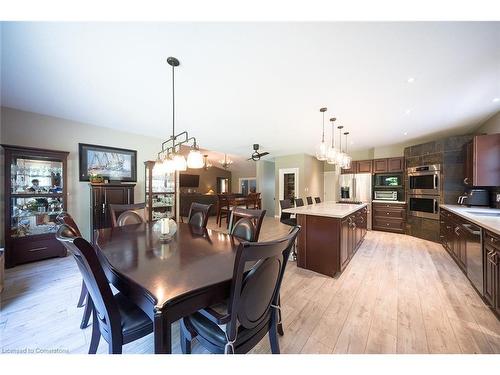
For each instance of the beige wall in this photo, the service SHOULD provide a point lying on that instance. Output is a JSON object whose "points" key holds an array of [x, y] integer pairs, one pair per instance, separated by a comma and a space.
{"points": [[490, 126], [36, 130]]}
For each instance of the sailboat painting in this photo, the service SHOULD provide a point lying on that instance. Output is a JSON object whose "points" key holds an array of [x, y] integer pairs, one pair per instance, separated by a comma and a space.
{"points": [[111, 163]]}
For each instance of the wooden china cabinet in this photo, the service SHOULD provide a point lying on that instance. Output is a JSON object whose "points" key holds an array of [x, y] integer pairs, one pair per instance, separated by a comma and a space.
{"points": [[159, 193], [35, 193]]}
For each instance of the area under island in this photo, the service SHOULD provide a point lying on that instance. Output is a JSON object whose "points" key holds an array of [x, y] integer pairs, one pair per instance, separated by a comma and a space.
{"points": [[331, 233]]}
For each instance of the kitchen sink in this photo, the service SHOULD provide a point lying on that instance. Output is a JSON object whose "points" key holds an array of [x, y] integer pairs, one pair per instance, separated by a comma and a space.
{"points": [[481, 213]]}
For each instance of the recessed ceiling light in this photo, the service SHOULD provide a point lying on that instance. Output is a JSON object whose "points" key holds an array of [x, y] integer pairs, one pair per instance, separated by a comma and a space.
{"points": [[405, 133], [408, 111], [410, 80], [496, 100]]}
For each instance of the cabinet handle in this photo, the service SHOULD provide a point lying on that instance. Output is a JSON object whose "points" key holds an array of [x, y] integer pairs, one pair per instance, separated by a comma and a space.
{"points": [[103, 207], [37, 249], [456, 231], [466, 179], [387, 213]]}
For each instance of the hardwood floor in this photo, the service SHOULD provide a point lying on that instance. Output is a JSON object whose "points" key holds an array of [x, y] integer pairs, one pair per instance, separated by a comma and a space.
{"points": [[399, 294]]}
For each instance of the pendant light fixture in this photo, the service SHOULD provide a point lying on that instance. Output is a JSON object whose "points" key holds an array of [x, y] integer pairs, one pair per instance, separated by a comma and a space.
{"points": [[340, 154], [169, 158], [206, 162], [322, 147], [347, 158], [331, 156], [226, 162]]}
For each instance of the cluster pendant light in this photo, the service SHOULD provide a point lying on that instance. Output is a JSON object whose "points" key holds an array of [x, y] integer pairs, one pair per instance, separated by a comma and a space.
{"points": [[169, 158], [330, 154], [226, 162]]}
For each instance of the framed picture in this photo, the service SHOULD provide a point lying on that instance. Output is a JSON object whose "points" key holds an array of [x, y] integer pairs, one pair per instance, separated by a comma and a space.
{"points": [[114, 164]]}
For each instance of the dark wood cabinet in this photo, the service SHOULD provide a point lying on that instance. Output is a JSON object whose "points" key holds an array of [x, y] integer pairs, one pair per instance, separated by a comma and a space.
{"points": [[101, 196], [482, 164], [364, 166], [395, 164], [352, 233], [380, 165], [389, 217], [491, 276], [35, 192], [453, 237], [344, 243]]}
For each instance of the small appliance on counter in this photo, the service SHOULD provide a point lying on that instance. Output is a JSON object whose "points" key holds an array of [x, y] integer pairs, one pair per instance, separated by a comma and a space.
{"points": [[386, 195], [475, 197]]}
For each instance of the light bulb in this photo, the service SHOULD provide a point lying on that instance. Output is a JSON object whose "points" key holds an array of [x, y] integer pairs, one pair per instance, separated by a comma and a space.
{"points": [[331, 156], [179, 162], [195, 159], [168, 166]]}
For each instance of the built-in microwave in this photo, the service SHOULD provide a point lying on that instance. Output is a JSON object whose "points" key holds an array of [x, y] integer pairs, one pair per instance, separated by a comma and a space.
{"points": [[384, 180], [424, 179], [424, 206]]}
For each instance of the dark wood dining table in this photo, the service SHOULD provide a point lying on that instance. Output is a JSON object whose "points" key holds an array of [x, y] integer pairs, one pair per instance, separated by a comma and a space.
{"points": [[169, 280]]}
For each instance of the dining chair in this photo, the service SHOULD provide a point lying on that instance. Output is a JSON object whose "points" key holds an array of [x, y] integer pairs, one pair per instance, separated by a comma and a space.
{"points": [[309, 200], [299, 202], [317, 200], [198, 214], [117, 209], [246, 224], [223, 208], [117, 319], [252, 308], [83, 300], [254, 201], [285, 217], [129, 218]]}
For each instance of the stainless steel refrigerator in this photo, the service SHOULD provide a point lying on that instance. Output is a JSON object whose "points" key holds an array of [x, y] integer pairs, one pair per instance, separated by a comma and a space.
{"points": [[357, 187]]}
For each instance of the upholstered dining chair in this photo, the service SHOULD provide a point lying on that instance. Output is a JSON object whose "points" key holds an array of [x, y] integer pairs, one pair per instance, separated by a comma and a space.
{"points": [[246, 224], [299, 202], [285, 217], [117, 209], [198, 214], [83, 300], [317, 200], [117, 319], [309, 200], [252, 308]]}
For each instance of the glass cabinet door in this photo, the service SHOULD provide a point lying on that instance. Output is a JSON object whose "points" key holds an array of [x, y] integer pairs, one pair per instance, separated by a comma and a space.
{"points": [[36, 176], [34, 215]]}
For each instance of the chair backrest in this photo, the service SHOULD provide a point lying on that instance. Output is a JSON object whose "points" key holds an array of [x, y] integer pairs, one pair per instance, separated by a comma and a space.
{"points": [[128, 218], [246, 224], [253, 292], [309, 200], [223, 201], [284, 204], [65, 218], [198, 214], [95, 279], [317, 200], [117, 209], [299, 202]]}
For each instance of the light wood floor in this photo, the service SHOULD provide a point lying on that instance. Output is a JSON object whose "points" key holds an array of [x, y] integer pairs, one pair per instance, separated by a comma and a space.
{"points": [[399, 294]]}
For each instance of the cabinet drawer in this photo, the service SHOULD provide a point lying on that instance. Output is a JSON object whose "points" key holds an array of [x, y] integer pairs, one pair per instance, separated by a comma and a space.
{"points": [[392, 206], [492, 240], [388, 213], [28, 250], [393, 225]]}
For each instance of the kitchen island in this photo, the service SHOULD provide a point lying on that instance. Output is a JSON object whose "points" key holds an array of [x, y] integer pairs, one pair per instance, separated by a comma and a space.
{"points": [[331, 233]]}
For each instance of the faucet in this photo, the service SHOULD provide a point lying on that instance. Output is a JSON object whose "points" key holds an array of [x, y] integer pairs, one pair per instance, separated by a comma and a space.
{"points": [[461, 199]]}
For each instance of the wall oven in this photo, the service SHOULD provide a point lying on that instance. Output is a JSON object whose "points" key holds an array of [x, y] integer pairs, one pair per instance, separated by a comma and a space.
{"points": [[424, 179], [424, 206]]}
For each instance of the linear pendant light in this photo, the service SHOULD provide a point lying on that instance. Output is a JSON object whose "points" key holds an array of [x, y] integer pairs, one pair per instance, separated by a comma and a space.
{"points": [[322, 147], [332, 151]]}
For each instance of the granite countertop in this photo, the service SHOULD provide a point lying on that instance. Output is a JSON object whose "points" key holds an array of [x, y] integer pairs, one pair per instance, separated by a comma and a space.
{"points": [[393, 202], [491, 223], [326, 209]]}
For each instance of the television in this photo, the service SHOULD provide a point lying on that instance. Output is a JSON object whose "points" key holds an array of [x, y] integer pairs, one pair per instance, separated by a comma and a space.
{"points": [[189, 180]]}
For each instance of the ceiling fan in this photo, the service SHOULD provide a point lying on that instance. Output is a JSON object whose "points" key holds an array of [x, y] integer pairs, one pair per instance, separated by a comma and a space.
{"points": [[256, 155]]}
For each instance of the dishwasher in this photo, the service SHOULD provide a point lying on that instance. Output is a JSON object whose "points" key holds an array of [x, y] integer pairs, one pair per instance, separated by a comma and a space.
{"points": [[474, 255]]}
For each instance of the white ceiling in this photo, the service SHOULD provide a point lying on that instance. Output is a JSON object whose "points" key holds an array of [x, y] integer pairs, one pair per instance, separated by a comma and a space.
{"points": [[245, 83]]}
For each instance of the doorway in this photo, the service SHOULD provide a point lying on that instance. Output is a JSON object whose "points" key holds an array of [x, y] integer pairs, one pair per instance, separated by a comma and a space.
{"points": [[288, 184]]}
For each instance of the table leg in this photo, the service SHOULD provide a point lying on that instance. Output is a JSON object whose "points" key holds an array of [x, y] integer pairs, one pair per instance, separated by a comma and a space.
{"points": [[162, 332]]}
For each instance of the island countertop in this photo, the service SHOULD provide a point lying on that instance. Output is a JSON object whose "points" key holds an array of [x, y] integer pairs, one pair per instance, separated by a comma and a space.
{"points": [[326, 209]]}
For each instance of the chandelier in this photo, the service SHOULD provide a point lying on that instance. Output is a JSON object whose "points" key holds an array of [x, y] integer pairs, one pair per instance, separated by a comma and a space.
{"points": [[343, 159], [322, 147], [226, 162], [169, 158]]}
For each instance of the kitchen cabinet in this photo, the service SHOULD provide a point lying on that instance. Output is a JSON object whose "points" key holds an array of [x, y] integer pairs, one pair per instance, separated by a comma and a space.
{"points": [[353, 169], [454, 237], [380, 165], [389, 217], [352, 234], [395, 164], [345, 227], [364, 166], [482, 161], [491, 276], [101, 196]]}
